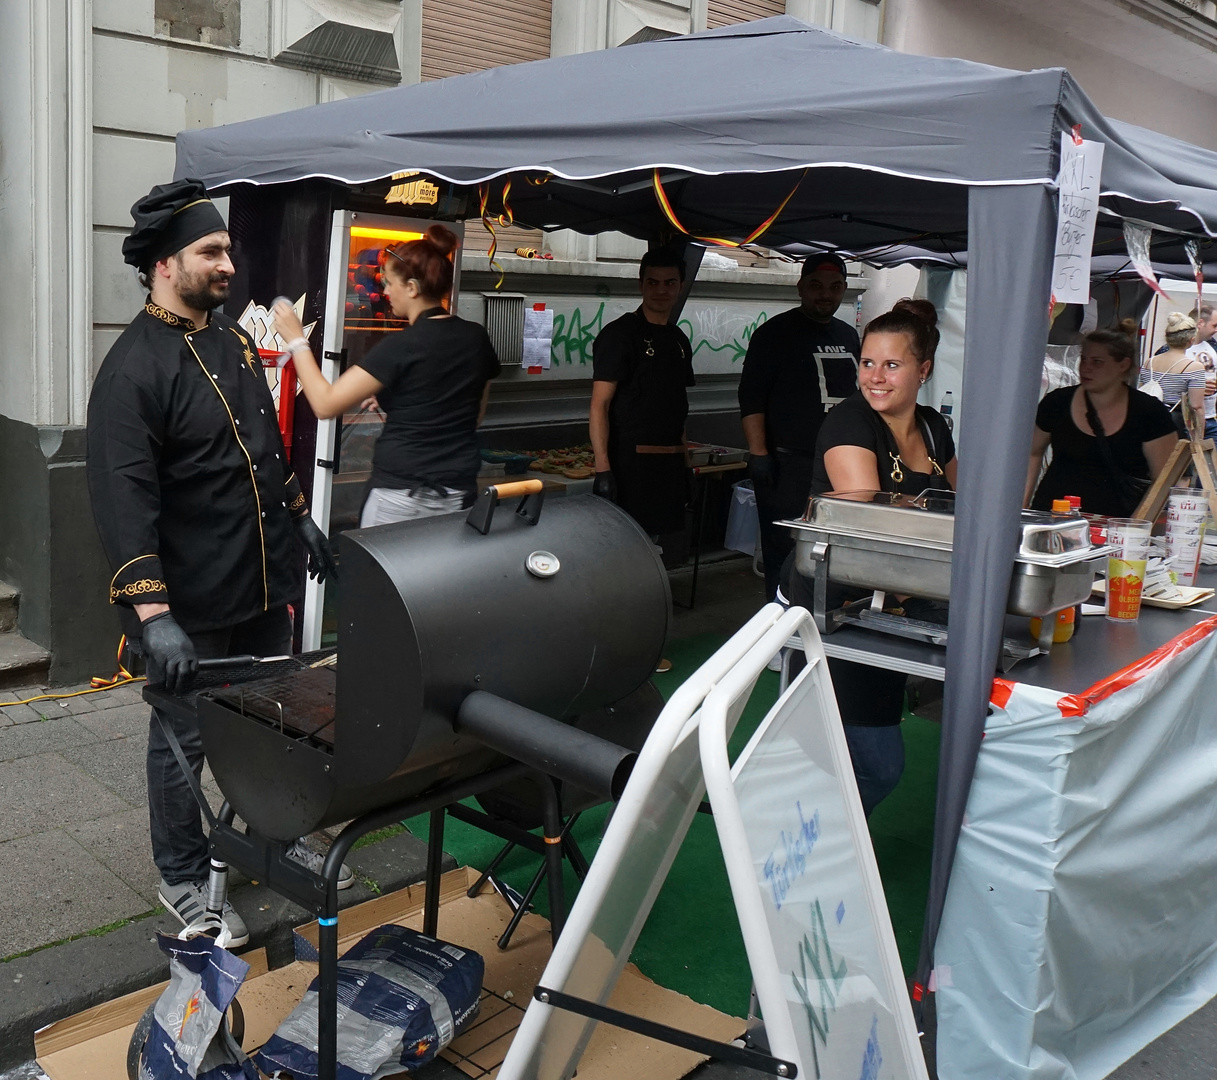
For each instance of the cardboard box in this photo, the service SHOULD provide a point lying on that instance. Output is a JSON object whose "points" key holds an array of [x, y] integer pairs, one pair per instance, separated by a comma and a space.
{"points": [[93, 1044]]}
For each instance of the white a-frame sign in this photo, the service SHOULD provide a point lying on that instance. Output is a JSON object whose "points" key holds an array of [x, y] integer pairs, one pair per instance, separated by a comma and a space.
{"points": [[801, 868]]}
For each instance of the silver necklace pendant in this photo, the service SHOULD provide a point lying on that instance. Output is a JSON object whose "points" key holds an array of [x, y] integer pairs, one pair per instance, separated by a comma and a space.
{"points": [[650, 347]]}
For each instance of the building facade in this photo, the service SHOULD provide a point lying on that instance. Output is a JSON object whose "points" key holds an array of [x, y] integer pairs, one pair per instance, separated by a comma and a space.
{"points": [[92, 93]]}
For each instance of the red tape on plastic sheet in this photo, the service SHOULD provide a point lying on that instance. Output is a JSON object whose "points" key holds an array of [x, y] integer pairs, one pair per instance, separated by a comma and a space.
{"points": [[1000, 695], [1079, 704]]}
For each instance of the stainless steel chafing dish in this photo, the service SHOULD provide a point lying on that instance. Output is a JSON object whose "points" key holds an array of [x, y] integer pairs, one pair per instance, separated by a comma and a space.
{"points": [[891, 543]]}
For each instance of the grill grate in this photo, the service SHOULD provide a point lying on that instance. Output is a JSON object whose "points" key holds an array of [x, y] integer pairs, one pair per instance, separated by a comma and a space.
{"points": [[294, 697]]}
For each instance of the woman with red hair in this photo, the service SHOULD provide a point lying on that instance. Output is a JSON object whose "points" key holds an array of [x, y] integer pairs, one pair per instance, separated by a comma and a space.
{"points": [[432, 381]]}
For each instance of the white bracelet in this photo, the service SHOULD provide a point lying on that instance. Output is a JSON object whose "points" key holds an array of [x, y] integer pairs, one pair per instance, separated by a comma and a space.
{"points": [[296, 344]]}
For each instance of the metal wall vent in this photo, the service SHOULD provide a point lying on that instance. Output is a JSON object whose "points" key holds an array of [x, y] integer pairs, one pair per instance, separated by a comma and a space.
{"points": [[505, 325]]}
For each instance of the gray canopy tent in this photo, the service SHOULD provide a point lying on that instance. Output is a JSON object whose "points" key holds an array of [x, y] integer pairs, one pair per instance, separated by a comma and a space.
{"points": [[882, 150]]}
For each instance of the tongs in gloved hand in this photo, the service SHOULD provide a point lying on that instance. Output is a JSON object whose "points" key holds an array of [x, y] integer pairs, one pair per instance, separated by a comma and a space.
{"points": [[238, 661]]}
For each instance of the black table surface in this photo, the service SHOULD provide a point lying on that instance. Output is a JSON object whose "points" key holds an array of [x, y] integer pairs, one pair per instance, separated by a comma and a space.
{"points": [[1099, 648]]}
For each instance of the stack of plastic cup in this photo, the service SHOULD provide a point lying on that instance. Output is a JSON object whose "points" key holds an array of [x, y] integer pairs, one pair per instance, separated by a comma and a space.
{"points": [[1185, 512], [1126, 567]]}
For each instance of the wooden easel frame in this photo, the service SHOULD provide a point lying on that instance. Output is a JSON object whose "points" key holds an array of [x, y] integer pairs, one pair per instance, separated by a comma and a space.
{"points": [[1198, 452]]}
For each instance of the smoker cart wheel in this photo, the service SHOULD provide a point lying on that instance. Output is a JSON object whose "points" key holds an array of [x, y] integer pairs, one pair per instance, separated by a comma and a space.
{"points": [[235, 1022]]}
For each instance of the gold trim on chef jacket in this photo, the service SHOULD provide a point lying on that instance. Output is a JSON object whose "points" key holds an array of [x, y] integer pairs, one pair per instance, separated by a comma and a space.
{"points": [[158, 312], [135, 588], [250, 461]]}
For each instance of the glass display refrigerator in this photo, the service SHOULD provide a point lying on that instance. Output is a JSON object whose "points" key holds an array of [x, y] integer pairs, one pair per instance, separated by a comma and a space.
{"points": [[322, 246]]}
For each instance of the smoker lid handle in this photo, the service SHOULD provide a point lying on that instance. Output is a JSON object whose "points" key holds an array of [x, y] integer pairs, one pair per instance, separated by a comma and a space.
{"points": [[518, 487], [481, 513]]}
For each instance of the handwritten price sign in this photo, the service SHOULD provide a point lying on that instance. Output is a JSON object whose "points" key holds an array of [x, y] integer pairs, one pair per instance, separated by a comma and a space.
{"points": [[1077, 212]]}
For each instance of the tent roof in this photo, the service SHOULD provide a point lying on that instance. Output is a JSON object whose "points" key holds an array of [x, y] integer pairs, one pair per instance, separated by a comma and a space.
{"points": [[731, 118]]}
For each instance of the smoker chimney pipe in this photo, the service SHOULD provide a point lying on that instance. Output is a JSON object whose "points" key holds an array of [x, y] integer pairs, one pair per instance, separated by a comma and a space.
{"points": [[551, 747]]}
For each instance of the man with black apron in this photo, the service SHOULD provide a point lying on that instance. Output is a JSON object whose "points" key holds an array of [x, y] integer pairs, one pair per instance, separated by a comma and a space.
{"points": [[198, 511], [799, 364], [641, 369]]}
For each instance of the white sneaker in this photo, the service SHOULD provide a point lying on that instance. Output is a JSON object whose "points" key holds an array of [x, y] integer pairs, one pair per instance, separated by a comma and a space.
{"points": [[313, 860], [776, 663]]}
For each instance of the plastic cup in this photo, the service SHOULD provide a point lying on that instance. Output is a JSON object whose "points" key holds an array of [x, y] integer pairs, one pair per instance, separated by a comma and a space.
{"points": [[1184, 561], [1126, 567], [1184, 537]]}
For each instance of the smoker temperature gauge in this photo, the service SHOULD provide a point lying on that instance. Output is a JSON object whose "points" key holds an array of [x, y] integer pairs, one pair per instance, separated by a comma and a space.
{"points": [[543, 564]]}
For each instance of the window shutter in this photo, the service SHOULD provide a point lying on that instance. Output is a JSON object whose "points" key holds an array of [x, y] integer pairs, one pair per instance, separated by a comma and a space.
{"points": [[728, 12], [459, 36]]}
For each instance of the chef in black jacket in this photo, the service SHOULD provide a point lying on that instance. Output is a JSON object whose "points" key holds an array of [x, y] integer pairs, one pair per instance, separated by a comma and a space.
{"points": [[799, 364], [641, 369], [198, 511]]}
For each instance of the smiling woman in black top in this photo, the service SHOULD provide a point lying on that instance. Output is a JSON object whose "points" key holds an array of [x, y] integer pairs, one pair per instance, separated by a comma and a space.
{"points": [[432, 381], [1108, 440], [879, 439]]}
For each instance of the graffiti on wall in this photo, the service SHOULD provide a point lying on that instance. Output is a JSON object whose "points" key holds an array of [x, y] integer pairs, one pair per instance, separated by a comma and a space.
{"points": [[722, 331], [574, 334], [719, 333]]}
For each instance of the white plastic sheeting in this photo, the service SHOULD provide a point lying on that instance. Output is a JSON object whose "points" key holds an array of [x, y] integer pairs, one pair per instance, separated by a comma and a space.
{"points": [[1081, 917]]}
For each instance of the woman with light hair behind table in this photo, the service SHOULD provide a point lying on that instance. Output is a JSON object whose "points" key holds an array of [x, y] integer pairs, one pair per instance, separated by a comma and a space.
{"points": [[1173, 375]]}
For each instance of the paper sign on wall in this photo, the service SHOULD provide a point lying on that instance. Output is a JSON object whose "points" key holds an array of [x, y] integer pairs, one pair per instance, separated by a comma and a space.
{"points": [[1077, 214], [538, 336]]}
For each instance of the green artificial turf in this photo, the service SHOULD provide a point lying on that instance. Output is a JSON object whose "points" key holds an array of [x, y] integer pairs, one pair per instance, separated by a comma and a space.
{"points": [[691, 942]]}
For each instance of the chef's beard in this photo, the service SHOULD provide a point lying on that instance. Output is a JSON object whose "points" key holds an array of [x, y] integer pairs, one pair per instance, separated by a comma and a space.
{"points": [[203, 292]]}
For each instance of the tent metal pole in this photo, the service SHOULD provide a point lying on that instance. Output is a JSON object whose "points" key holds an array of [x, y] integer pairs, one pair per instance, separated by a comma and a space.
{"points": [[1011, 234]]}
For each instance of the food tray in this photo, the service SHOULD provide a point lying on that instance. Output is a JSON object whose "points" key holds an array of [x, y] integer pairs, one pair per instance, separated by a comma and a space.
{"points": [[1190, 598]]}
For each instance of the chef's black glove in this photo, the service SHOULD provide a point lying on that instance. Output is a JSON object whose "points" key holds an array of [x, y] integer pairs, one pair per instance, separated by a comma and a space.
{"points": [[605, 485], [169, 654], [320, 557], [762, 470]]}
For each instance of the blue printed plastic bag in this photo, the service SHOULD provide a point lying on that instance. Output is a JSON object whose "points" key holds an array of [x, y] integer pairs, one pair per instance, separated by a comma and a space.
{"points": [[402, 997], [188, 1036]]}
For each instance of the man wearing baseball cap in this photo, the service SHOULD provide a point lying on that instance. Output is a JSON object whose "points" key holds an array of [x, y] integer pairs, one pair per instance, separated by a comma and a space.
{"points": [[799, 364], [198, 510]]}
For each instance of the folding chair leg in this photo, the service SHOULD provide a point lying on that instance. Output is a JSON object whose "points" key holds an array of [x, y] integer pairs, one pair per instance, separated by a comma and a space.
{"points": [[480, 884], [522, 910]]}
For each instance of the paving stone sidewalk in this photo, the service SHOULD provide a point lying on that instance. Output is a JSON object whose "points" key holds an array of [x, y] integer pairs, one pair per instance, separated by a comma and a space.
{"points": [[74, 845]]}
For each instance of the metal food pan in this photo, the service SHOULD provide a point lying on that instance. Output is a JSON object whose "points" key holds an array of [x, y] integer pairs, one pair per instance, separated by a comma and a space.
{"points": [[1037, 590], [886, 514], [929, 518], [870, 563], [919, 568]]}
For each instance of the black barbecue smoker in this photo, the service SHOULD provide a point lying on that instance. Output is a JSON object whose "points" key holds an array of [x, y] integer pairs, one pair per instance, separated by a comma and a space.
{"points": [[473, 651]]}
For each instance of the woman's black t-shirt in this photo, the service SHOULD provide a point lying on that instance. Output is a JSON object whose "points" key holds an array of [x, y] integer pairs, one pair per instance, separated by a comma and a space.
{"points": [[854, 423], [1078, 466], [433, 375]]}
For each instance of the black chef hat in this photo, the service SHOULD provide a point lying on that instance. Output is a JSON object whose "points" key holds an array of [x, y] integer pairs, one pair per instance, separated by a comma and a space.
{"points": [[167, 219]]}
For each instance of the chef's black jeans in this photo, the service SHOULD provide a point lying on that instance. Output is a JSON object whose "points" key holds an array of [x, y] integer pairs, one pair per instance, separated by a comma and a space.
{"points": [[179, 846], [785, 499]]}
